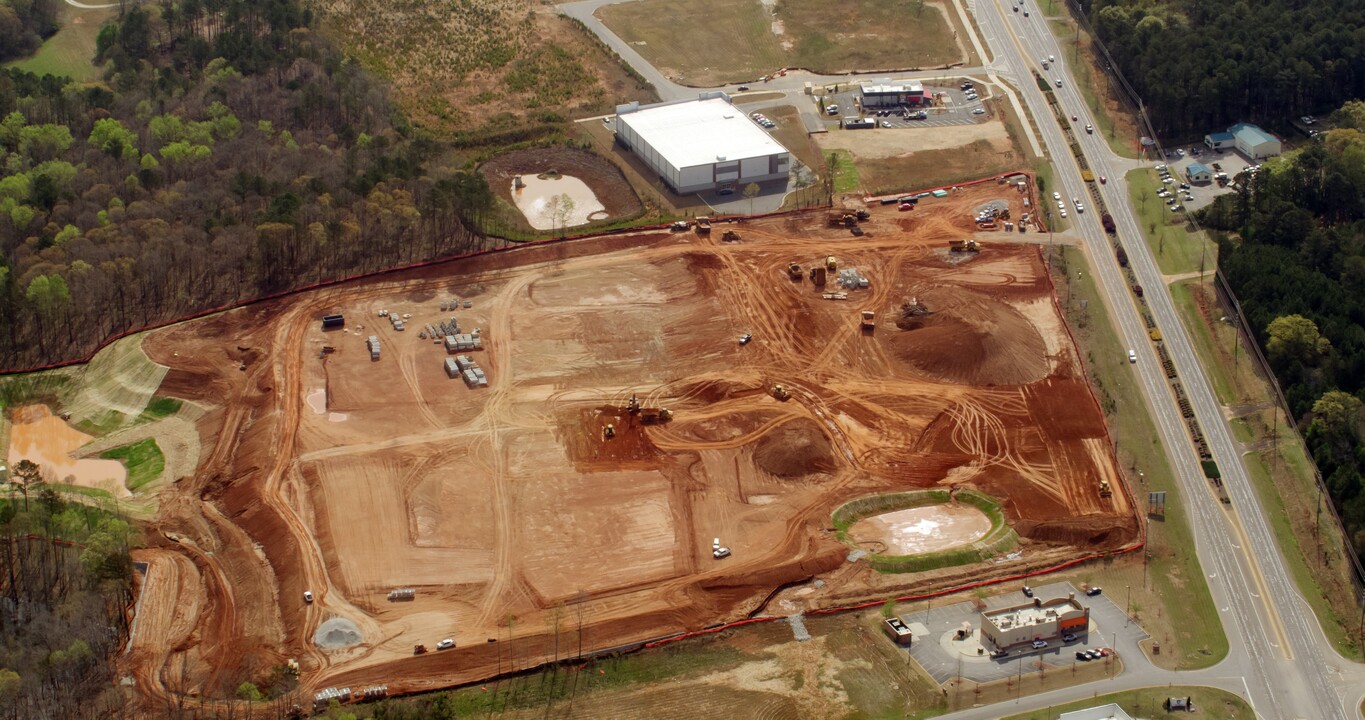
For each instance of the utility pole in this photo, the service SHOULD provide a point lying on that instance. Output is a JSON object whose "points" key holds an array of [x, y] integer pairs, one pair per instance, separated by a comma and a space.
{"points": [[1129, 611]]}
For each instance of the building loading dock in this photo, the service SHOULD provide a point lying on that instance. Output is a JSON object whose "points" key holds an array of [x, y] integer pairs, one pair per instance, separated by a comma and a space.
{"points": [[700, 145]]}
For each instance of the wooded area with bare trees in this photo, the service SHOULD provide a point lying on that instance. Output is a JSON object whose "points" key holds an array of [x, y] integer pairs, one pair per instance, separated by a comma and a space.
{"points": [[233, 153]]}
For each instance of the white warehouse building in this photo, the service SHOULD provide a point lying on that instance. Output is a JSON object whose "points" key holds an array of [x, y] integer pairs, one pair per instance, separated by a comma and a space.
{"points": [[703, 144]]}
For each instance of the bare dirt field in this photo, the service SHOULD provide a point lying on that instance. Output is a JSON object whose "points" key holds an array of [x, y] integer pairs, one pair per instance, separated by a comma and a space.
{"points": [[892, 160], [516, 518]]}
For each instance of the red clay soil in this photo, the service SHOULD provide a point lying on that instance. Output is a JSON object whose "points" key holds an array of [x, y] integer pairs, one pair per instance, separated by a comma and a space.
{"points": [[509, 510]]}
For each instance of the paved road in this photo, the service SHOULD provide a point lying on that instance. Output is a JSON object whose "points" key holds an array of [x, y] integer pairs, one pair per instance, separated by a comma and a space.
{"points": [[1279, 658], [1276, 644]]}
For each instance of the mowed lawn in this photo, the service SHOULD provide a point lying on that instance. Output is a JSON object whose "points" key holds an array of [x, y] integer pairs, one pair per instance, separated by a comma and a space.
{"points": [[713, 42], [69, 52]]}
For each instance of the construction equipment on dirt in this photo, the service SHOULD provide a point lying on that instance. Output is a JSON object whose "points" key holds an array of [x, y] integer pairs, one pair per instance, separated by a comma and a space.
{"points": [[780, 393], [913, 308], [869, 321], [864, 214], [419, 649], [963, 246], [842, 218], [729, 236], [1105, 490], [704, 225], [831, 264], [679, 226], [402, 594], [609, 432], [327, 350], [835, 296], [650, 416], [817, 275], [794, 272], [331, 322], [633, 405]]}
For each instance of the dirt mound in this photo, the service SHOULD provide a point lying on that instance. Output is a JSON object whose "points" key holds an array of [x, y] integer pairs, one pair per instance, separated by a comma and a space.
{"points": [[337, 633], [1078, 532], [795, 449], [973, 339]]}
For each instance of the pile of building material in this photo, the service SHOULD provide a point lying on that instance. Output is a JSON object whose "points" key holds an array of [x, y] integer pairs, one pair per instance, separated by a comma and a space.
{"points": [[373, 345], [374, 692], [853, 280], [464, 341], [397, 321], [403, 593], [322, 699], [465, 367]]}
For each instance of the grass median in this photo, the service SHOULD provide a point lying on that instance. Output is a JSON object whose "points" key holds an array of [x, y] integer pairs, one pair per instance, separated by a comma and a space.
{"points": [[1209, 702], [1167, 593]]}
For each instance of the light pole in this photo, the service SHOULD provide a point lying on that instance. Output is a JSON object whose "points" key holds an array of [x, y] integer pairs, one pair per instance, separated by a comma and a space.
{"points": [[1129, 611]]}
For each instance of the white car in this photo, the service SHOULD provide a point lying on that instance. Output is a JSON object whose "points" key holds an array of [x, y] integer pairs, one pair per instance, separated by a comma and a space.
{"points": [[1056, 196], [979, 111], [1132, 358], [1039, 644], [445, 644], [745, 338], [720, 552], [1063, 212], [1307, 119], [308, 596], [1061, 205], [1058, 81]]}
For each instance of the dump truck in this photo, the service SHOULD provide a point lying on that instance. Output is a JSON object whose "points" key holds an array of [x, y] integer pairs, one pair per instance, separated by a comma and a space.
{"points": [[963, 246], [841, 218], [869, 320], [1107, 221], [831, 264], [817, 275], [794, 272], [729, 236], [704, 225]]}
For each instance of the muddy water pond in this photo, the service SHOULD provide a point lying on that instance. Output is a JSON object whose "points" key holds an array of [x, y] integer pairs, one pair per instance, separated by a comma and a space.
{"points": [[37, 435], [541, 198], [922, 529]]}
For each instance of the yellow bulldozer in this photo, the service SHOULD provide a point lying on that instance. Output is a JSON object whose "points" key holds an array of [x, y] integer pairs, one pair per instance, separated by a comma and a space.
{"points": [[780, 393]]}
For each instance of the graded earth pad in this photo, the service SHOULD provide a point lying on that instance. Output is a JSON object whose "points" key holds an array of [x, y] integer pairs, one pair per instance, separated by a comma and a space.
{"points": [[546, 515], [921, 529]]}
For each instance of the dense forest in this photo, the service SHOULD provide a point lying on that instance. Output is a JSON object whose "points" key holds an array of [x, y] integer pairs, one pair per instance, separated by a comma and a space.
{"points": [[1293, 247], [231, 152], [1201, 66], [65, 586], [24, 24]]}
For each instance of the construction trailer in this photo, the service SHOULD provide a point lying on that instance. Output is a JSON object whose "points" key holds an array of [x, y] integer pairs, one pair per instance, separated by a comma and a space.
{"points": [[333, 322], [452, 370], [403, 593]]}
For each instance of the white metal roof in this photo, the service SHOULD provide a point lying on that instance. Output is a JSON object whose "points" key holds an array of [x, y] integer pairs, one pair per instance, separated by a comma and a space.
{"points": [[701, 132], [886, 86]]}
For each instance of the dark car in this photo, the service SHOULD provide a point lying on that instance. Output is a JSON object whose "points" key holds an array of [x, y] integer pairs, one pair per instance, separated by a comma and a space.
{"points": [[742, 88], [1028, 591], [1083, 655], [1096, 590]]}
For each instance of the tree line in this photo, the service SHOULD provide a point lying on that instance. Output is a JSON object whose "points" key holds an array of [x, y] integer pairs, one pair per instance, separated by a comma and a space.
{"points": [[1202, 66], [24, 24], [231, 152], [1292, 245]]}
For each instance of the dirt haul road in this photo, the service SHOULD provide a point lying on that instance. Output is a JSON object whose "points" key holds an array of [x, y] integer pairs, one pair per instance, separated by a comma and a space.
{"points": [[525, 531]]}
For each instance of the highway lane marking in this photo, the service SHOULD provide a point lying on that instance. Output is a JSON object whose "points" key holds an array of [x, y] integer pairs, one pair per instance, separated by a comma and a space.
{"points": [[1272, 612]]}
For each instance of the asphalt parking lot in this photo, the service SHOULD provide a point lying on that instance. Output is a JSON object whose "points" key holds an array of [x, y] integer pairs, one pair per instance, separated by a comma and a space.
{"points": [[1229, 161], [943, 656], [955, 110]]}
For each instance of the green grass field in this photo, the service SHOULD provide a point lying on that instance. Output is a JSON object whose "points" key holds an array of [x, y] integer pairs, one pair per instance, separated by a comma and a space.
{"points": [[1179, 612], [143, 460], [1210, 703], [714, 42], [1177, 251], [70, 51], [846, 178]]}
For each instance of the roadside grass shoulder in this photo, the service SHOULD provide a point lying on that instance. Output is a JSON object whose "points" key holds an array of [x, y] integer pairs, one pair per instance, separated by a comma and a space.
{"points": [[1169, 593], [1280, 469], [1212, 703], [1076, 46], [1177, 250], [144, 461]]}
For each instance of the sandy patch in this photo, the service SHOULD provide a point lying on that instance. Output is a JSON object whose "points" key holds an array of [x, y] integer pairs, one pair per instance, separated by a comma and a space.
{"points": [[903, 141], [47, 440]]}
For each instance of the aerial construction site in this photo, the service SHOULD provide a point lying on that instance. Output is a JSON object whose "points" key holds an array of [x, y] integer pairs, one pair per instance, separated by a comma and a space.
{"points": [[390, 521]]}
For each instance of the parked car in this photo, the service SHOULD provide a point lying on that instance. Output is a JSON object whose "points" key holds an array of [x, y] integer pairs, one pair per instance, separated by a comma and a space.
{"points": [[1102, 652], [1000, 653], [1184, 186], [1056, 195], [445, 644], [1039, 644], [979, 111], [1083, 655], [1069, 637], [1307, 119], [308, 596], [886, 123], [1063, 212], [1094, 590], [905, 207], [742, 88], [1028, 591]]}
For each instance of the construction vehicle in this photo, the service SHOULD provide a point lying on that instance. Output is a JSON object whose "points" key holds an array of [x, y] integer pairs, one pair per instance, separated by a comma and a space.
{"points": [[704, 225], [609, 432], [842, 218], [831, 264], [679, 226], [780, 393], [913, 307], [1108, 221], [1088, 175], [794, 272], [419, 649], [1105, 490], [990, 225], [654, 417], [633, 405], [864, 215], [869, 320], [817, 275], [964, 245], [730, 236]]}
